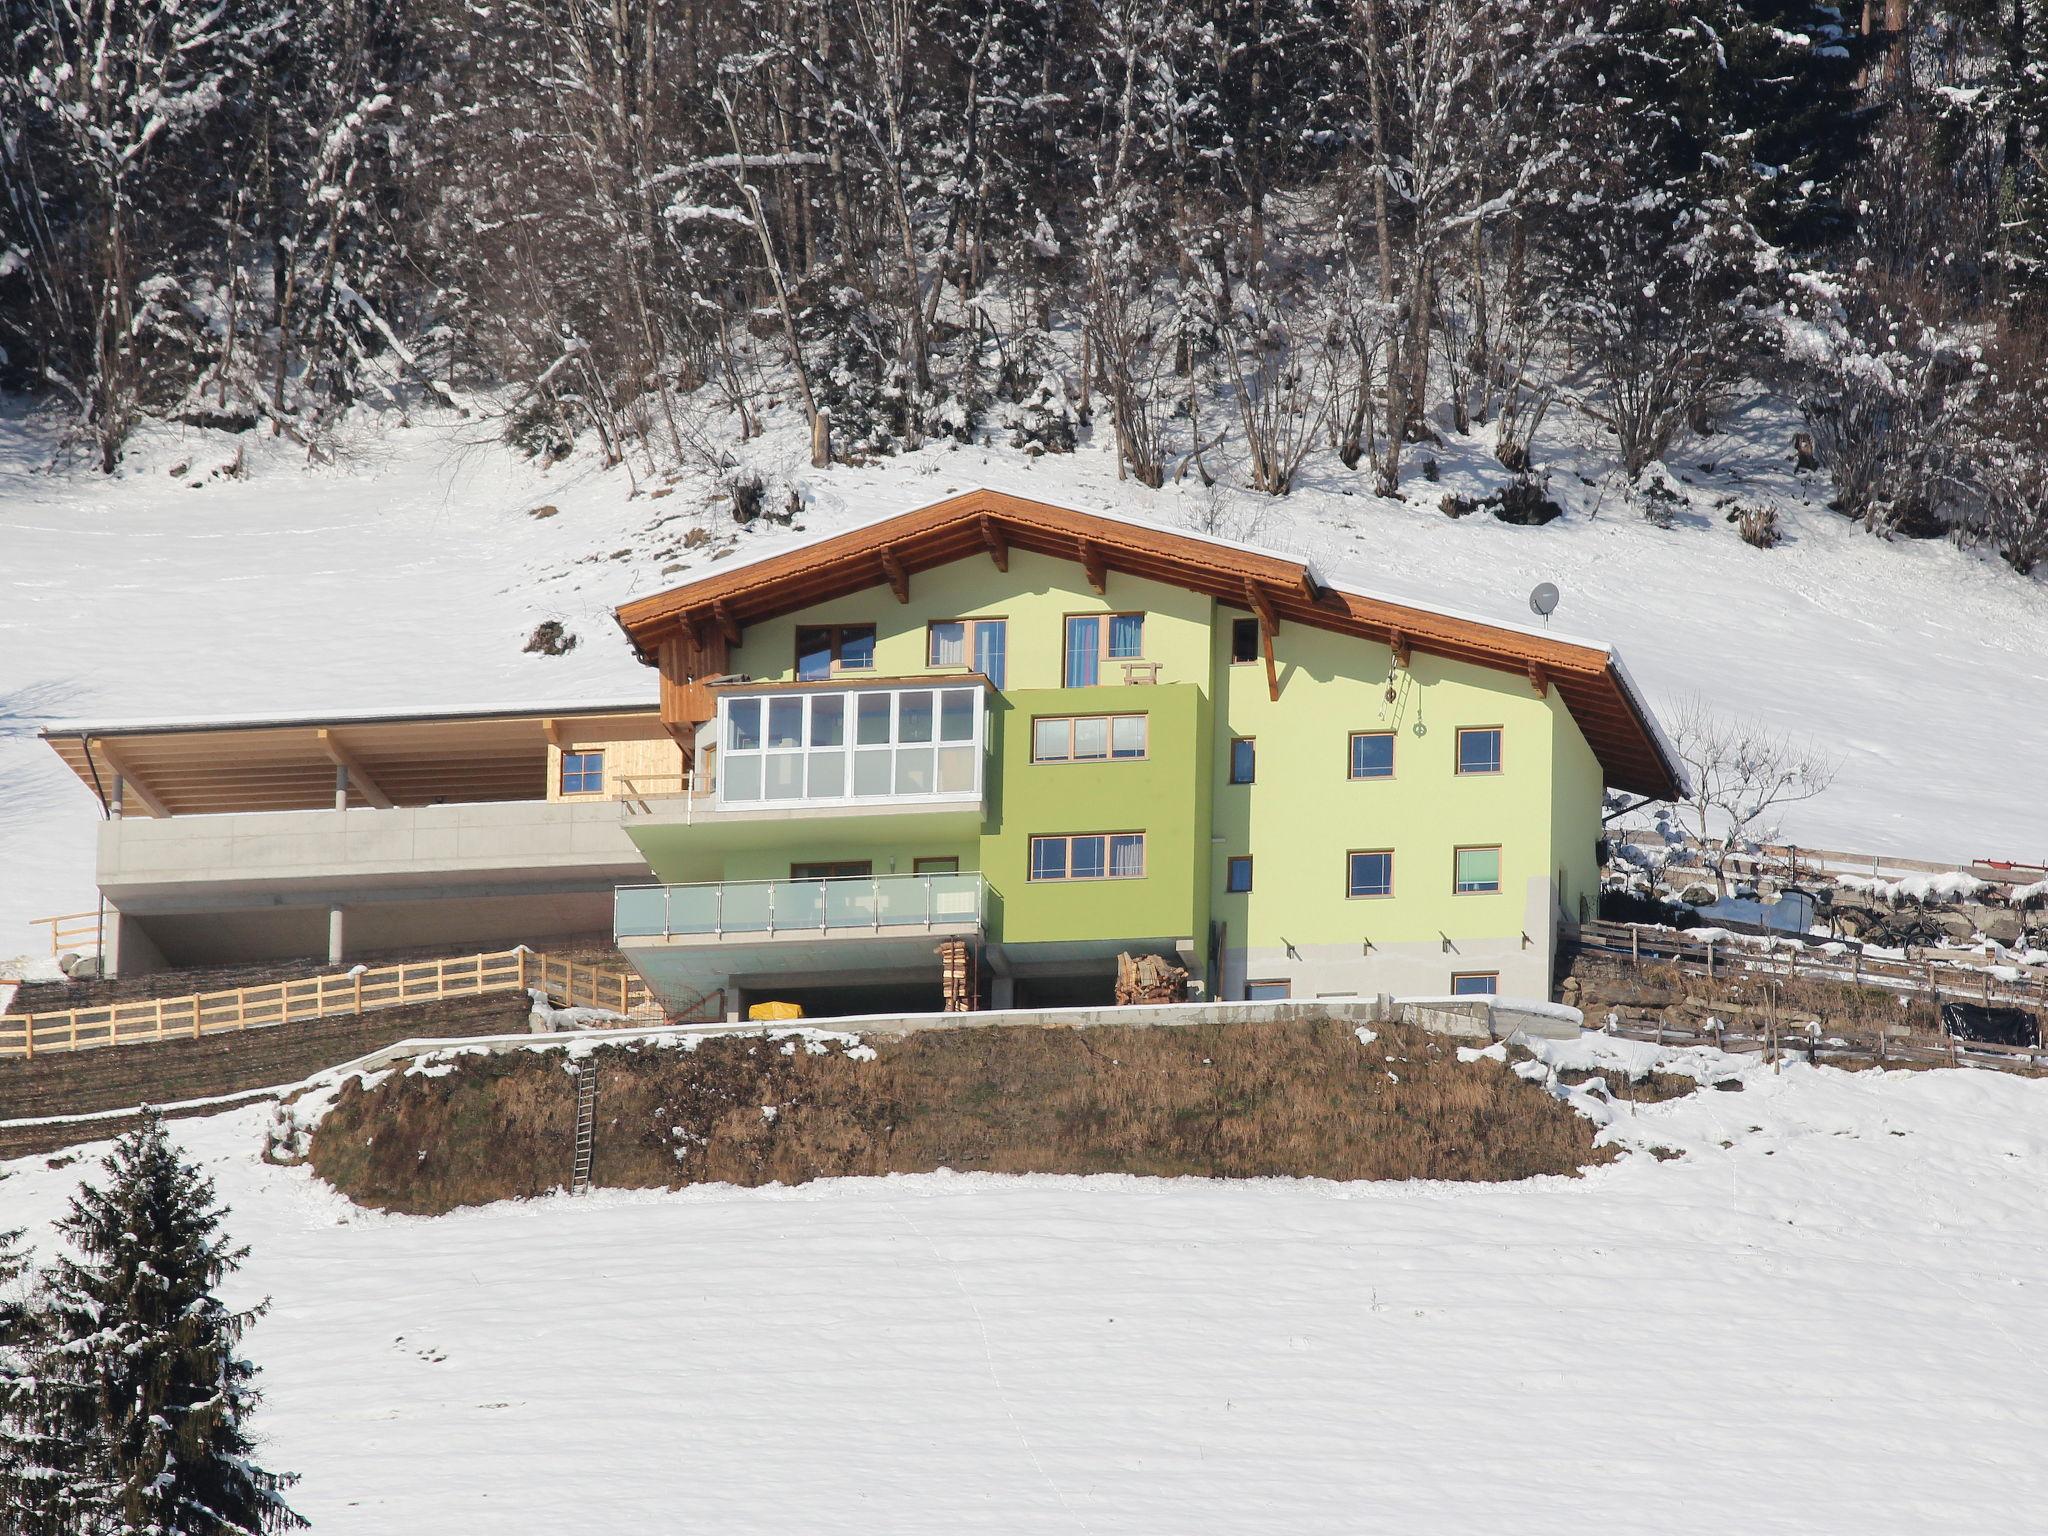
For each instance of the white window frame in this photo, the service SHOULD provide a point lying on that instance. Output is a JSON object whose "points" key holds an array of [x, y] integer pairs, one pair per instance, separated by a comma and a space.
{"points": [[849, 748]]}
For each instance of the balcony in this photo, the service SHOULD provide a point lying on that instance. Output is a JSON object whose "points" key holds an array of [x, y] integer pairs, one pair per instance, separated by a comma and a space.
{"points": [[948, 905]]}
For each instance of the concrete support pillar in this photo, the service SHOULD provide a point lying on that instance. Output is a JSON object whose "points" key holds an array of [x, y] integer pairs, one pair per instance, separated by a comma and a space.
{"points": [[1002, 992], [114, 799], [340, 789], [334, 936]]}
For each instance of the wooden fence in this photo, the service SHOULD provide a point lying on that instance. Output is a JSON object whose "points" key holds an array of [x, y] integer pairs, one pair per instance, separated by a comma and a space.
{"points": [[74, 931], [1963, 978], [1762, 1029], [193, 1017], [1789, 861]]}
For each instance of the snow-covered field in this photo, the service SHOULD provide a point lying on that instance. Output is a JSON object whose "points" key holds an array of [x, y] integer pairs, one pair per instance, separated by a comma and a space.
{"points": [[1830, 1315], [410, 573]]}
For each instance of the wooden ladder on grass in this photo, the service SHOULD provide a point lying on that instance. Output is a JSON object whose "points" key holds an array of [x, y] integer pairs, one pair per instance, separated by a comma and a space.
{"points": [[586, 1126]]}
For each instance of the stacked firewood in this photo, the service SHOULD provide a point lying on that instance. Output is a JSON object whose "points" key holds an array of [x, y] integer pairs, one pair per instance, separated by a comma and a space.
{"points": [[1149, 979]]}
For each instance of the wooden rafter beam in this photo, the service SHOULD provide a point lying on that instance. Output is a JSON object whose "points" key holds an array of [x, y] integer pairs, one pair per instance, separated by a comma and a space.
{"points": [[1539, 680], [997, 546], [1255, 598], [358, 775], [1272, 669], [552, 729], [727, 624], [898, 574], [1398, 644], [131, 782], [1096, 569]]}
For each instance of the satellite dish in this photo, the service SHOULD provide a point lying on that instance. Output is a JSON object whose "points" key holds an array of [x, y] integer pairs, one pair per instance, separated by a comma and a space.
{"points": [[1543, 601]]}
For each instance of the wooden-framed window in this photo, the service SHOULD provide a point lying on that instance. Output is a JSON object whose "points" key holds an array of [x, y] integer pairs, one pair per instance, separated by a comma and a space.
{"points": [[1093, 638], [1089, 856], [1237, 874], [1476, 871], [1475, 983], [1372, 754], [978, 645], [1244, 641], [1244, 760], [840, 869], [1368, 873], [1479, 749], [937, 864], [1088, 738], [583, 773], [825, 649], [1277, 990]]}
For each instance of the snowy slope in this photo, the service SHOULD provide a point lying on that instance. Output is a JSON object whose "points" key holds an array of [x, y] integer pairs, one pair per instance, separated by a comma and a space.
{"points": [[411, 573], [1829, 1315]]}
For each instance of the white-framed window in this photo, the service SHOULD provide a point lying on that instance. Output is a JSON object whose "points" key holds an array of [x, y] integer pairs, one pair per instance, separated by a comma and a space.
{"points": [[1475, 983], [835, 746], [1089, 856], [1088, 738], [1476, 871], [1479, 749]]}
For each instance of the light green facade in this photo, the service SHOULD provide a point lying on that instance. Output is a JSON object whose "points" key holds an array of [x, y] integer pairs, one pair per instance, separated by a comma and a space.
{"points": [[1297, 821]]}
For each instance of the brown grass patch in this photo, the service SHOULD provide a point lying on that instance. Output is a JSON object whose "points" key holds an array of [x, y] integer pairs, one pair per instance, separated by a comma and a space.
{"points": [[1301, 1099]]}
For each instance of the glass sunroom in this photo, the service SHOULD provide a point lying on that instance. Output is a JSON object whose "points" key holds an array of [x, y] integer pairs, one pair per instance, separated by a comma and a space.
{"points": [[877, 744]]}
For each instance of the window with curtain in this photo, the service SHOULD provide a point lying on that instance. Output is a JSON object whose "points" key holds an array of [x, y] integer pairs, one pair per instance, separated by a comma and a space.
{"points": [[1089, 856], [991, 650], [1478, 871], [946, 644], [1084, 652], [1126, 636], [1087, 738]]}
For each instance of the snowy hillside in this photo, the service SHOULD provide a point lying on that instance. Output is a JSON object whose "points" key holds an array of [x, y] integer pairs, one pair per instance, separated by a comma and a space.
{"points": [[1826, 1316], [411, 573]]}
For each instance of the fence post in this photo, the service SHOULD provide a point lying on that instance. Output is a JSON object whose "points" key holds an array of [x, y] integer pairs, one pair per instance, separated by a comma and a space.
{"points": [[1635, 947], [1710, 959], [522, 967], [159, 1018]]}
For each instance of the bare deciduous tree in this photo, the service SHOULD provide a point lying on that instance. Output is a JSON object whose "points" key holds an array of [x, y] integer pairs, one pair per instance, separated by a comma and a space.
{"points": [[1739, 771]]}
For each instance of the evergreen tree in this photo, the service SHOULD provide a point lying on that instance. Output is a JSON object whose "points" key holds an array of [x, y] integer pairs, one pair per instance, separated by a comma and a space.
{"points": [[138, 1400]]}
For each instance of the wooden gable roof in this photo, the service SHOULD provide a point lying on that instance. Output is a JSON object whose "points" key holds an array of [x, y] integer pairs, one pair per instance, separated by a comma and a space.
{"points": [[700, 617]]}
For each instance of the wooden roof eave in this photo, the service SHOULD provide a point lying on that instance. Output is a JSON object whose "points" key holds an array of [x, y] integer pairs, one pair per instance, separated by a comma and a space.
{"points": [[978, 524]]}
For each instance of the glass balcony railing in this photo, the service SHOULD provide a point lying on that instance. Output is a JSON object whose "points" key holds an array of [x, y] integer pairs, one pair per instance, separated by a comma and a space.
{"points": [[850, 904]]}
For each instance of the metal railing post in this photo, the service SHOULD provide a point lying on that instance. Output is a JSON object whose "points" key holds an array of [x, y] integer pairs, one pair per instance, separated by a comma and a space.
{"points": [[718, 911], [927, 903], [824, 913], [875, 902], [771, 906]]}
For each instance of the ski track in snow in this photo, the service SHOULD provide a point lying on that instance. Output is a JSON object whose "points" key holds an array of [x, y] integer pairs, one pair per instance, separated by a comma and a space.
{"points": [[411, 574], [1835, 1322]]}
